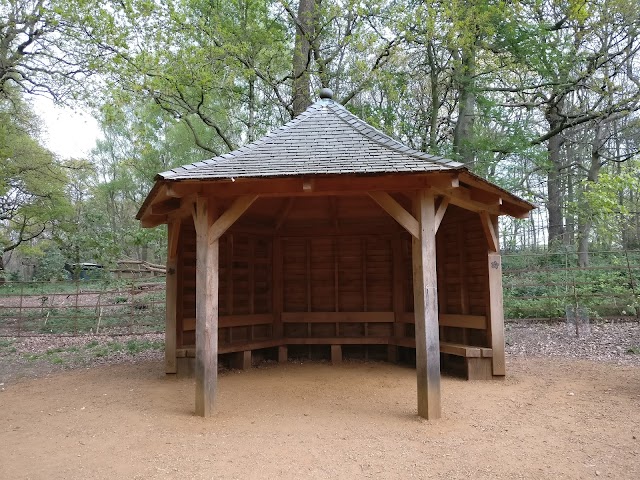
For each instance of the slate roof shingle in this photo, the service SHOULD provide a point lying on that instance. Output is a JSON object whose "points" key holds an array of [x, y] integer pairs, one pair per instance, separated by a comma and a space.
{"points": [[325, 139]]}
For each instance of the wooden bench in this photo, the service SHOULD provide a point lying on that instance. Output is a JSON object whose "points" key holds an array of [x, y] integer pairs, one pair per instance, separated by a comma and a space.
{"points": [[477, 360]]}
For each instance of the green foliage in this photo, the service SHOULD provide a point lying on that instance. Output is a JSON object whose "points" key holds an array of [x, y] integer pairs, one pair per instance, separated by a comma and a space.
{"points": [[541, 286], [32, 181], [50, 264]]}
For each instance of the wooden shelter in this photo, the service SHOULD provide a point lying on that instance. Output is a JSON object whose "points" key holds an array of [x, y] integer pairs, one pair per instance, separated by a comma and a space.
{"points": [[328, 236]]}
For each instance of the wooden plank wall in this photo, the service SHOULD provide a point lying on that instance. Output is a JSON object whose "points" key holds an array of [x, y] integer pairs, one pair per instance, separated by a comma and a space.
{"points": [[245, 286], [334, 273], [337, 274], [462, 273]]}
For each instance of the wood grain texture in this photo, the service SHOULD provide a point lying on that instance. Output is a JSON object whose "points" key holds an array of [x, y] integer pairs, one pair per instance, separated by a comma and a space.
{"points": [[425, 297], [397, 211], [337, 317], [496, 314], [206, 310], [489, 231], [228, 218], [170, 335]]}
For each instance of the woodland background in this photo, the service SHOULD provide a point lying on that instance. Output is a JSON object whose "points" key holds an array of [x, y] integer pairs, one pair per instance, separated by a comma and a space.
{"points": [[539, 96]]}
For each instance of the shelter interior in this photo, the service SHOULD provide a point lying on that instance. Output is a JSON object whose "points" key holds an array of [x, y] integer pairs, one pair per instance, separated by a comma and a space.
{"points": [[331, 276]]}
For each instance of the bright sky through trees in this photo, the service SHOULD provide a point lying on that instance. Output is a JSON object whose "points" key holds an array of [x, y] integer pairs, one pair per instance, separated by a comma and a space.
{"points": [[67, 133]]}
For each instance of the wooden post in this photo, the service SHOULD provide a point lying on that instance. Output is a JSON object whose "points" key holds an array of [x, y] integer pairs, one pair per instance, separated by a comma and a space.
{"points": [[277, 279], [206, 309], [425, 300], [398, 297], [496, 314], [336, 354], [170, 331], [282, 354], [241, 360]]}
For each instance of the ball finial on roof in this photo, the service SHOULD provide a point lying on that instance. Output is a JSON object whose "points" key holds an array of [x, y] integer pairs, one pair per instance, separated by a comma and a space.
{"points": [[326, 93]]}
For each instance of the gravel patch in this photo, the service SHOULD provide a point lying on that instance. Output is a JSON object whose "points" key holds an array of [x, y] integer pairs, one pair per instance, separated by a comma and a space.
{"points": [[27, 357], [37, 356], [611, 341]]}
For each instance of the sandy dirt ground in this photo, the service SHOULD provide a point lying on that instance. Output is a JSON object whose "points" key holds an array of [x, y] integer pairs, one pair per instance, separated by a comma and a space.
{"points": [[551, 418]]}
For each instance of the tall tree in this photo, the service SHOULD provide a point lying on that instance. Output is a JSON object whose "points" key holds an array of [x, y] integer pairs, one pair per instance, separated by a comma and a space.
{"points": [[32, 181]]}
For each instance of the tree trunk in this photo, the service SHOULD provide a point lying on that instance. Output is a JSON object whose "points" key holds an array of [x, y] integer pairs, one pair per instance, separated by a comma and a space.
{"points": [[251, 134], [463, 132], [585, 222], [435, 99], [302, 56], [554, 183]]}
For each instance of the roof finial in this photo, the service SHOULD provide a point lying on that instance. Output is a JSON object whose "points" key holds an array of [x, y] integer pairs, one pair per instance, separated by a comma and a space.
{"points": [[326, 93]]}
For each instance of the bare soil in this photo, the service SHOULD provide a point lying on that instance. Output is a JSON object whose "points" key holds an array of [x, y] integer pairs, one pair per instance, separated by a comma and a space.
{"points": [[550, 418]]}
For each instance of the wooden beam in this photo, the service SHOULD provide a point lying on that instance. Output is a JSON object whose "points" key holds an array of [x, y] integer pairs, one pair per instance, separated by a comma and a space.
{"points": [[235, 321], [397, 211], [476, 322], [338, 317], [277, 290], [442, 209], [461, 197], [207, 282], [284, 213], [398, 294], [322, 185], [151, 221], [228, 218], [173, 234], [485, 197], [444, 180], [496, 314], [336, 354], [172, 191], [171, 299], [489, 231], [162, 208], [425, 300], [513, 211]]}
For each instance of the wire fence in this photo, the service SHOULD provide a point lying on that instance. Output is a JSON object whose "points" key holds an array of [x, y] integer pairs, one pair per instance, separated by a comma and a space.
{"points": [[82, 307], [546, 285], [551, 285]]}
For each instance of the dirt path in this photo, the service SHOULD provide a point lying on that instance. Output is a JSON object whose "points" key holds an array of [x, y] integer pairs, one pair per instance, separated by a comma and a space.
{"points": [[550, 419]]}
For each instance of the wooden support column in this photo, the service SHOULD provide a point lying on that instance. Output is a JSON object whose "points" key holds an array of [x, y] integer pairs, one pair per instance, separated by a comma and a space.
{"points": [[495, 314], [425, 300], [241, 360], [398, 296], [277, 280], [170, 331], [336, 354], [206, 308]]}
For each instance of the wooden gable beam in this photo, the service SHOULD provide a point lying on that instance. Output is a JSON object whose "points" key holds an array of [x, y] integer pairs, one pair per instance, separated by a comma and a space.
{"points": [[442, 209], [153, 221], [483, 196], [162, 208], [489, 231], [461, 197], [397, 211], [228, 218]]}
